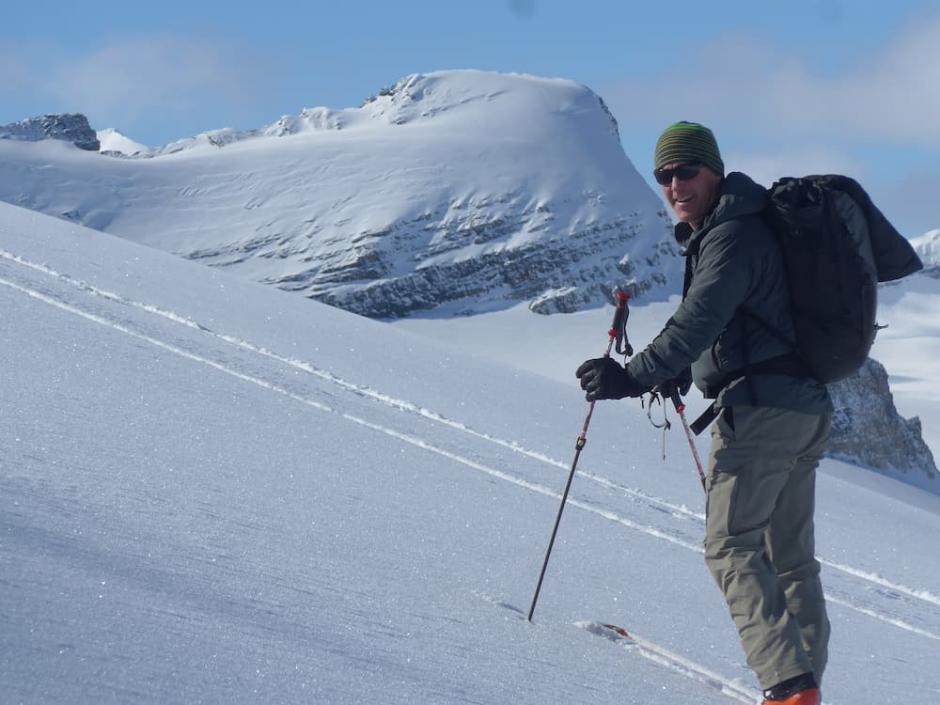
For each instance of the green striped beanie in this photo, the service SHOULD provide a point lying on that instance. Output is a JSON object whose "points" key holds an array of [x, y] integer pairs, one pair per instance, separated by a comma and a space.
{"points": [[688, 142]]}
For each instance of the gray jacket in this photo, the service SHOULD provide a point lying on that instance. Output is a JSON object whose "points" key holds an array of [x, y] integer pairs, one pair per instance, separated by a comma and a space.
{"points": [[732, 262]]}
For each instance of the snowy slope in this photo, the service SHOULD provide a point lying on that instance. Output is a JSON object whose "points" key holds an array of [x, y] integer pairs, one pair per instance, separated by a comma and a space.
{"points": [[212, 491], [456, 191], [909, 347]]}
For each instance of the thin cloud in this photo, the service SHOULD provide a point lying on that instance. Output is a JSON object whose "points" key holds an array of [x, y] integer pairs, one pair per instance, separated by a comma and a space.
{"points": [[737, 84], [138, 80], [766, 168], [17, 73], [130, 78], [523, 9], [23, 66]]}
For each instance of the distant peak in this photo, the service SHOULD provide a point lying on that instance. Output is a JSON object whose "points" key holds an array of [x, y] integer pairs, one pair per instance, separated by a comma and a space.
{"points": [[68, 127], [115, 142]]}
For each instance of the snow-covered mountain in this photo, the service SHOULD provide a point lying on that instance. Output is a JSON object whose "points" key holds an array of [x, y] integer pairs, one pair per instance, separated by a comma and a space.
{"points": [[452, 192], [116, 142], [213, 491]]}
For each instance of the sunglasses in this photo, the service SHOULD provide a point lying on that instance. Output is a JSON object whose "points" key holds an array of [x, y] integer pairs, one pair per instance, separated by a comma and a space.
{"points": [[683, 172]]}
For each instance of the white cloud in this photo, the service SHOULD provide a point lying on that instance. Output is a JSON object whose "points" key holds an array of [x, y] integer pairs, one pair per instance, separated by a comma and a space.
{"points": [[908, 197], [765, 168], [774, 115], [737, 84], [167, 75], [23, 65], [136, 79]]}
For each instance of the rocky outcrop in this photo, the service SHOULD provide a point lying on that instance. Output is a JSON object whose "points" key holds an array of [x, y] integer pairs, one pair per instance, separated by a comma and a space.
{"points": [[558, 274], [867, 429], [69, 127]]}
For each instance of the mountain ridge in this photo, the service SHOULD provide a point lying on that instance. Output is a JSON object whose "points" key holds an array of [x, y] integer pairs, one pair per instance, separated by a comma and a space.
{"points": [[68, 127]]}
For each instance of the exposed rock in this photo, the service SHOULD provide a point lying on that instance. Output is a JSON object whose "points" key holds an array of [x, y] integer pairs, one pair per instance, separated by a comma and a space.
{"points": [[69, 127], [561, 274], [566, 299], [867, 429]]}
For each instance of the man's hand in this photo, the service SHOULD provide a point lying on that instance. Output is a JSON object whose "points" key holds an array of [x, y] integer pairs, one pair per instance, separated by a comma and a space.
{"points": [[603, 378]]}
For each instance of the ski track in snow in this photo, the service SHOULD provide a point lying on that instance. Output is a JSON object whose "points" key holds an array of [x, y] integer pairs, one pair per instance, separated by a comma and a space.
{"points": [[659, 655], [678, 511], [676, 663]]}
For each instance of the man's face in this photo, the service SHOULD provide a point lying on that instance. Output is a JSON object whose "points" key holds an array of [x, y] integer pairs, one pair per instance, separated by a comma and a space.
{"points": [[691, 198]]}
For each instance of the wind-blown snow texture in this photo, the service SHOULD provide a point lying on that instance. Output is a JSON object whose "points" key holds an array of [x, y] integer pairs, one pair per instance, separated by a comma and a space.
{"points": [[458, 192], [212, 491]]}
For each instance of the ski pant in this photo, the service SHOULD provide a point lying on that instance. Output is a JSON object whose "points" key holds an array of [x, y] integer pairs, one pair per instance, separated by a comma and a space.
{"points": [[759, 542]]}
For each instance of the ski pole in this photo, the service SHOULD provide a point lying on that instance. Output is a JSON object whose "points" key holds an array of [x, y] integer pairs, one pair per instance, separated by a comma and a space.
{"points": [[617, 333], [680, 409]]}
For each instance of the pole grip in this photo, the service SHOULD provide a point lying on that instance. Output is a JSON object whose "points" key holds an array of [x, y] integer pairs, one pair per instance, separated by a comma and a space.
{"points": [[616, 328], [677, 401]]}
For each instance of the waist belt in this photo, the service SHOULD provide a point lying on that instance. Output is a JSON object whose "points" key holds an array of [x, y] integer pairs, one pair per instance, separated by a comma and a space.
{"points": [[789, 365]]}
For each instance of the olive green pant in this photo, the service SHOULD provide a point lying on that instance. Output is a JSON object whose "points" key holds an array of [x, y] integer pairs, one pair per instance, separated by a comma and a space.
{"points": [[759, 542]]}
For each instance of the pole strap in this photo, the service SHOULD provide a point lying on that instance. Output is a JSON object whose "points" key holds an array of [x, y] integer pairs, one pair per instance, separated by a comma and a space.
{"points": [[702, 422]]}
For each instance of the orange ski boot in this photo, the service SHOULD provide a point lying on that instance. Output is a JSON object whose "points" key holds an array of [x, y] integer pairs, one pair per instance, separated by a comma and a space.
{"points": [[801, 690]]}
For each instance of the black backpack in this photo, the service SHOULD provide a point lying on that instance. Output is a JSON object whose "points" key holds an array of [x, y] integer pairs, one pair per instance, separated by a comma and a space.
{"points": [[836, 247]]}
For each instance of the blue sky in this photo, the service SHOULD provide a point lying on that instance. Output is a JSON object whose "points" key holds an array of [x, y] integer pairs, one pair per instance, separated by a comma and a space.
{"points": [[789, 88]]}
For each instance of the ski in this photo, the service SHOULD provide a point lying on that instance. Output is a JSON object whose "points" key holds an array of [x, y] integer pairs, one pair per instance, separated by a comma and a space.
{"points": [[673, 661]]}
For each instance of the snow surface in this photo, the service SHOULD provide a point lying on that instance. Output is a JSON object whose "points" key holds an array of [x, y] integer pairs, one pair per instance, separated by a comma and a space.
{"points": [[212, 491], [909, 348], [553, 346]]}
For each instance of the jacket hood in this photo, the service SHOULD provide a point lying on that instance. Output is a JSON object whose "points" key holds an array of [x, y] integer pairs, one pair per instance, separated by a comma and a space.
{"points": [[739, 196]]}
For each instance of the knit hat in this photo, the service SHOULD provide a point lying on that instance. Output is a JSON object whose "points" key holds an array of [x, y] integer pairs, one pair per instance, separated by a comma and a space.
{"points": [[688, 142]]}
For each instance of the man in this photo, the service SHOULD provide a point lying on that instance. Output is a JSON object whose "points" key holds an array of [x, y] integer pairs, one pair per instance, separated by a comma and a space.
{"points": [[772, 421]]}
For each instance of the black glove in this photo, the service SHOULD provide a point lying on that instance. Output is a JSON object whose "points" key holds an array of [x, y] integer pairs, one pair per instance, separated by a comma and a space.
{"points": [[603, 378], [682, 383]]}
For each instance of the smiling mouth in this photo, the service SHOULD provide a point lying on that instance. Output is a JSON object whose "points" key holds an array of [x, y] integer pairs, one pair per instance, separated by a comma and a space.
{"points": [[684, 200]]}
